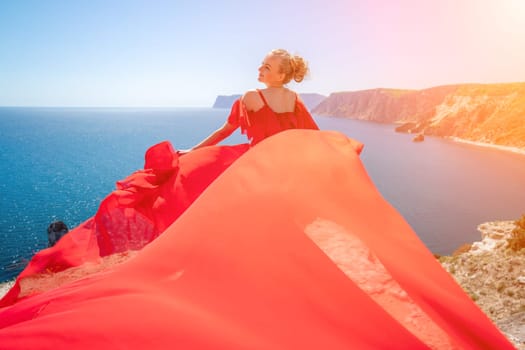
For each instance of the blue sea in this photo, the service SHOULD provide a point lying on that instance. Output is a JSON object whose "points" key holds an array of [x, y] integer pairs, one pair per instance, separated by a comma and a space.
{"points": [[59, 163]]}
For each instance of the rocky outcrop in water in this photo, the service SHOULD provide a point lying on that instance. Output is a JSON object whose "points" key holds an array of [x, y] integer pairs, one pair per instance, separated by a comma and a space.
{"points": [[419, 138], [55, 231]]}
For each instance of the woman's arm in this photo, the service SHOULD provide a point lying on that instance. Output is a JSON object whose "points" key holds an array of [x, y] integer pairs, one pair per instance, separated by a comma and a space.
{"points": [[217, 136]]}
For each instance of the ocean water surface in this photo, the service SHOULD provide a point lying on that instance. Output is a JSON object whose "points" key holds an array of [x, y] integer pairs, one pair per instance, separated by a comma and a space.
{"points": [[59, 163]]}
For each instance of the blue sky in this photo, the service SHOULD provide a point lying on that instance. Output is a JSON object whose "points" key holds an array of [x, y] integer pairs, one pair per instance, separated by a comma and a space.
{"points": [[185, 53]]}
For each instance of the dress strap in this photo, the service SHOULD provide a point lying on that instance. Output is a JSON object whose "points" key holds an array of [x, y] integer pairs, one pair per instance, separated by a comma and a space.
{"points": [[262, 96]]}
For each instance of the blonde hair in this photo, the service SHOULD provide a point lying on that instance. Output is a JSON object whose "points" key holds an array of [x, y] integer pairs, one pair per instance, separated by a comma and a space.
{"points": [[293, 66]]}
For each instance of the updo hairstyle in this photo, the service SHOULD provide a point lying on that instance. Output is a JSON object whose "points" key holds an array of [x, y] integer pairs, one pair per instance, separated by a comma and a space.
{"points": [[293, 66]]}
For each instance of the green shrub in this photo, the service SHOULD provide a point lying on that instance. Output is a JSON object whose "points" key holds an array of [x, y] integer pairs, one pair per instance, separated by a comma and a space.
{"points": [[517, 241]]}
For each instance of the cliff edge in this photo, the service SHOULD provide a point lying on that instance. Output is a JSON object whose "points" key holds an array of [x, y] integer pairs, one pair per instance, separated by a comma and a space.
{"points": [[484, 113], [492, 272]]}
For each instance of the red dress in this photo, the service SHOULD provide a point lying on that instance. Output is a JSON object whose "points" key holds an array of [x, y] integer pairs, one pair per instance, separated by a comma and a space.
{"points": [[291, 247], [258, 125], [149, 200]]}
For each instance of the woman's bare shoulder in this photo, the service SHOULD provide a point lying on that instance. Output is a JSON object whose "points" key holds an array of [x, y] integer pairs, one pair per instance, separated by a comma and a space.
{"points": [[252, 100], [249, 94]]}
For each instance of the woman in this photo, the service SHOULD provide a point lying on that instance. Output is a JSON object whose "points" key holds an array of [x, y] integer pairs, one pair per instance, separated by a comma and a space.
{"points": [[262, 113], [150, 200]]}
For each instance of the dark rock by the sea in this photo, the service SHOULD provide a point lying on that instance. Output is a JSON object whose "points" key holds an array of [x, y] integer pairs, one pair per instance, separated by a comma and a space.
{"points": [[55, 231], [419, 138]]}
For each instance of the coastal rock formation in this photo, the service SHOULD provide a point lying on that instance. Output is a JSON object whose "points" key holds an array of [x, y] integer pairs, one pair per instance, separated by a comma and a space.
{"points": [[494, 276], [419, 138], [486, 113], [55, 231], [384, 105], [311, 100]]}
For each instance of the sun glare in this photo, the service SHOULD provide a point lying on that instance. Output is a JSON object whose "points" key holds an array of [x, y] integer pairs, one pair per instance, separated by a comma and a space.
{"points": [[514, 12]]}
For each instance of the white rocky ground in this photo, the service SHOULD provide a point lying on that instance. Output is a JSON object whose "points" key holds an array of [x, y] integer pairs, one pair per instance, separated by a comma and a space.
{"points": [[4, 287], [494, 277]]}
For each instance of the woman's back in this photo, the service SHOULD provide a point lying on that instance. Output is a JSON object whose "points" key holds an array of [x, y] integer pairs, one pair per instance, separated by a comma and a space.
{"points": [[263, 113], [279, 100]]}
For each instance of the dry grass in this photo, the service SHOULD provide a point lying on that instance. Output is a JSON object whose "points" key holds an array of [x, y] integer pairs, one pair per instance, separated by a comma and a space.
{"points": [[517, 241]]}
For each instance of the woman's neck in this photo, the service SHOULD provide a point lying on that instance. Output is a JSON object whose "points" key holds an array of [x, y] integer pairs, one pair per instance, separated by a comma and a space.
{"points": [[275, 87]]}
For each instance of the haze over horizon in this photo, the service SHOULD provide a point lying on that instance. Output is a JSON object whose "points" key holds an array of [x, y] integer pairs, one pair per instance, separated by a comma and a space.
{"points": [[167, 54]]}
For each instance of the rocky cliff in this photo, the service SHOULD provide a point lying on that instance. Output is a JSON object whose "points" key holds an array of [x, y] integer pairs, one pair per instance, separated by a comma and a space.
{"points": [[488, 113], [492, 272]]}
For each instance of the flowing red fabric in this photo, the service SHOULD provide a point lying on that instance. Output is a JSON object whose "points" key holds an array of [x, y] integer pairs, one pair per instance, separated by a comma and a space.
{"points": [[138, 211], [148, 201], [291, 247]]}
